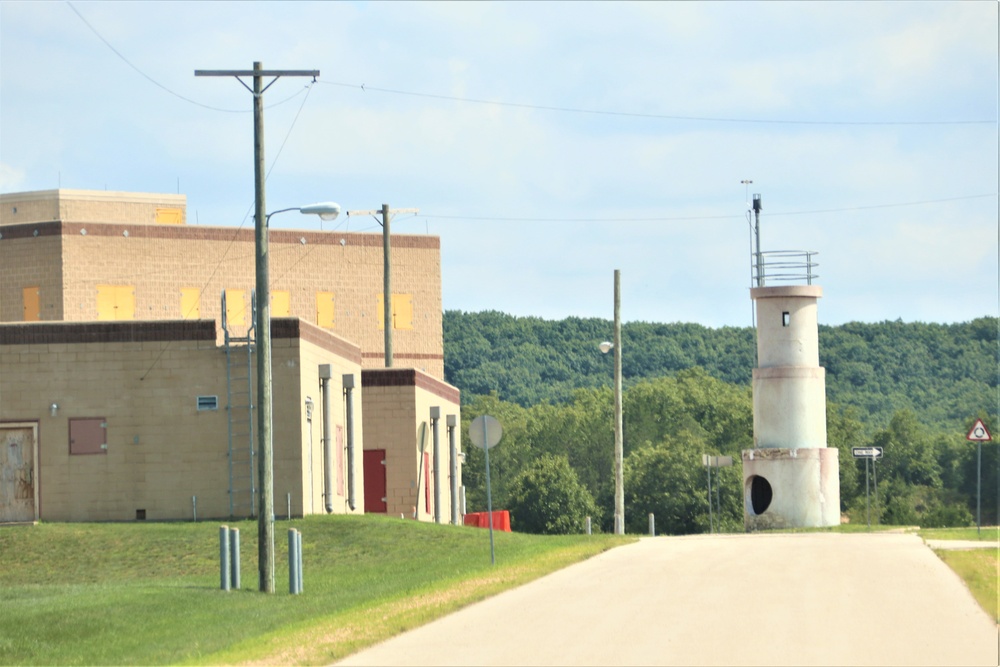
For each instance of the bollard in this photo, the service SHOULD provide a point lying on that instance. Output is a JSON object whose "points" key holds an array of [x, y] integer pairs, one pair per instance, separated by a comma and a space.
{"points": [[194, 508], [293, 563], [224, 557], [298, 555], [588, 525], [234, 558], [652, 525], [289, 507]]}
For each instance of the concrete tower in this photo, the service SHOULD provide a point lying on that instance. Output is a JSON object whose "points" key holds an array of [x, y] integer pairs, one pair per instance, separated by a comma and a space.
{"points": [[791, 479]]}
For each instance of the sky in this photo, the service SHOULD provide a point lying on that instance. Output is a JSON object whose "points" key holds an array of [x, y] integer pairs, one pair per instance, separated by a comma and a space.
{"points": [[549, 144]]}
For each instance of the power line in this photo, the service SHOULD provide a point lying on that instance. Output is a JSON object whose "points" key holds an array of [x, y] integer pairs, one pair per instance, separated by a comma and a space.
{"points": [[703, 217], [157, 83], [633, 114]]}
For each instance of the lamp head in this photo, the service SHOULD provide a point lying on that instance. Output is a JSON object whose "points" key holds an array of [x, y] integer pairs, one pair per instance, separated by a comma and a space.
{"points": [[606, 346], [325, 210]]}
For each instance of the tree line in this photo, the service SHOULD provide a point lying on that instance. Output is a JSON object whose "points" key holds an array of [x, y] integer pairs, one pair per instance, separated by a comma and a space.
{"points": [[912, 388]]}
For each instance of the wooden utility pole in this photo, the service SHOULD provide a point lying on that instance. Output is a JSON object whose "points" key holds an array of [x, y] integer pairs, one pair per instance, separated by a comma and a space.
{"points": [[619, 475], [386, 272], [265, 454]]}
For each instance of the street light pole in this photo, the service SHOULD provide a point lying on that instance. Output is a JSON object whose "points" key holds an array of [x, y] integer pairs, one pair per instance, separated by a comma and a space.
{"points": [[619, 475], [265, 516]]}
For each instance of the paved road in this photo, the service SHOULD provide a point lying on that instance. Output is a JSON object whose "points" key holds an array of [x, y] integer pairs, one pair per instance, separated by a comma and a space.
{"points": [[784, 599]]}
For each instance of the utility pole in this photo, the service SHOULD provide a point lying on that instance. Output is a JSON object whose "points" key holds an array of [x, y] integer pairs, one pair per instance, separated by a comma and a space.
{"points": [[265, 516], [386, 271], [619, 475]]}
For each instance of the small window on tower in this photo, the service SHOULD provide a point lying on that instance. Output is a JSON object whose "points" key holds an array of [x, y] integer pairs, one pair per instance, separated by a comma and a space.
{"points": [[786, 319]]}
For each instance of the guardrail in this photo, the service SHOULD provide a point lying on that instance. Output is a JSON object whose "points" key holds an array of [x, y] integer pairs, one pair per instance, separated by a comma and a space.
{"points": [[784, 266]]}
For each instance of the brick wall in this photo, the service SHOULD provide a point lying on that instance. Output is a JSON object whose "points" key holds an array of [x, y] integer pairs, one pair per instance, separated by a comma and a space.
{"points": [[397, 403], [143, 380], [161, 260]]}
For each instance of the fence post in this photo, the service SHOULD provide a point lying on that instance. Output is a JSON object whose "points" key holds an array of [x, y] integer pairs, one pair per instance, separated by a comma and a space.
{"points": [[224, 575]]}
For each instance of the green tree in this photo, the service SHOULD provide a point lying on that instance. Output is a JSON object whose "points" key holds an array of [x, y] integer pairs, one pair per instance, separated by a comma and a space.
{"points": [[669, 481], [546, 497]]}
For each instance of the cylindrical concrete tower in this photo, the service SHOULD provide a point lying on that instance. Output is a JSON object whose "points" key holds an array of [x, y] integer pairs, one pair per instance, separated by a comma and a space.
{"points": [[791, 479]]}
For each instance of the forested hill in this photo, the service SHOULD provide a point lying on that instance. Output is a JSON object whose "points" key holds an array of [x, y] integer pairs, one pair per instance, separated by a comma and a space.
{"points": [[945, 373]]}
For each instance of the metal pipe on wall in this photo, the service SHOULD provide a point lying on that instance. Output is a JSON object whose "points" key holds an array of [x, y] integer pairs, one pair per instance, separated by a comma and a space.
{"points": [[325, 373], [435, 418], [452, 422], [349, 399]]}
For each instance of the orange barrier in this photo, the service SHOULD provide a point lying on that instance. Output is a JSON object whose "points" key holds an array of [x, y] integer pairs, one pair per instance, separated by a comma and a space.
{"points": [[501, 520]]}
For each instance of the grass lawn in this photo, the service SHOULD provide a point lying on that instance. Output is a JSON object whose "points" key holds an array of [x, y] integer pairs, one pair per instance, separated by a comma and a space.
{"points": [[978, 569], [135, 593]]}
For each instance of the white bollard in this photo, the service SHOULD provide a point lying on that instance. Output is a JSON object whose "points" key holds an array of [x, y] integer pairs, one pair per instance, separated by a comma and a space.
{"points": [[652, 525], [224, 572], [588, 526]]}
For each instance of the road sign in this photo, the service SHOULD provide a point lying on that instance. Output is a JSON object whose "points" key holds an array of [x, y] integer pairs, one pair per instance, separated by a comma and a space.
{"points": [[485, 431], [716, 461], [979, 432], [867, 452]]}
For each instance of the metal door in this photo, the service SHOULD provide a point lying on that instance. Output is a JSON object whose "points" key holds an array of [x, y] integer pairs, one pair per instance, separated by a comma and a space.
{"points": [[375, 487], [18, 487]]}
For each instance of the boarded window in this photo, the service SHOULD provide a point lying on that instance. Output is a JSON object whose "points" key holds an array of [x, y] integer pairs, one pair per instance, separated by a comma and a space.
{"points": [[115, 302], [32, 304], [236, 308], [190, 303], [402, 311], [88, 435], [324, 310], [281, 303], [169, 216]]}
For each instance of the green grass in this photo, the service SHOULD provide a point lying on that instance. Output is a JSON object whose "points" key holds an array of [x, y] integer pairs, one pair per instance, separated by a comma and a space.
{"points": [[149, 593], [979, 570], [987, 534]]}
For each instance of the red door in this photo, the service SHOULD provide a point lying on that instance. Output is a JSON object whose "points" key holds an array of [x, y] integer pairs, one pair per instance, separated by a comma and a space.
{"points": [[375, 499]]}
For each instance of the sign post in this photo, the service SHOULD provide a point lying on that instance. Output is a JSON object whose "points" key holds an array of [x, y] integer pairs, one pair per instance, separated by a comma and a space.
{"points": [[485, 432], [710, 462], [868, 454], [979, 434]]}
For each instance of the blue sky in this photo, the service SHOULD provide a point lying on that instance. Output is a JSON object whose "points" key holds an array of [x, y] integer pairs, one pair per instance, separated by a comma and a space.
{"points": [[548, 144]]}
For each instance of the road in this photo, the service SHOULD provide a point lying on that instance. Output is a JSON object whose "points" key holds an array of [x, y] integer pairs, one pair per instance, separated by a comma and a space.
{"points": [[775, 599]]}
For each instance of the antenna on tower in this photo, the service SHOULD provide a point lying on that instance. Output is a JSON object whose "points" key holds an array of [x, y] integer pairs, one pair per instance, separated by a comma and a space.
{"points": [[758, 258]]}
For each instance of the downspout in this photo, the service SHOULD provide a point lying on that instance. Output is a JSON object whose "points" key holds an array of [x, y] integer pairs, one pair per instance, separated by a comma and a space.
{"points": [[435, 418], [349, 399], [325, 373], [452, 422]]}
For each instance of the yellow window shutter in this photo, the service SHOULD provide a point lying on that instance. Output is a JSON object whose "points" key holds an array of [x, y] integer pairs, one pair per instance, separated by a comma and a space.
{"points": [[125, 302], [190, 303], [32, 304], [402, 311], [169, 216], [236, 309], [105, 302], [324, 310], [281, 303]]}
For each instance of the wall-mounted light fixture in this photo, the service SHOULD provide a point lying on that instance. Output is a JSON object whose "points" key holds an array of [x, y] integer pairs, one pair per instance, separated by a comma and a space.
{"points": [[53, 409]]}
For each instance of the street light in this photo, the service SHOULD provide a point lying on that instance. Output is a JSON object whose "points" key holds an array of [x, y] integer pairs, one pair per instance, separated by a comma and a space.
{"points": [[606, 347], [265, 515], [327, 210]]}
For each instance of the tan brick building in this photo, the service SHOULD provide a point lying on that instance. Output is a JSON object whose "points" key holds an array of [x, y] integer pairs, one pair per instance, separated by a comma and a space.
{"points": [[119, 311]]}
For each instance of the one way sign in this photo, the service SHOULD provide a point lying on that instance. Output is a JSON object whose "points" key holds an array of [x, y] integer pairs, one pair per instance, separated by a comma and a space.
{"points": [[979, 432]]}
